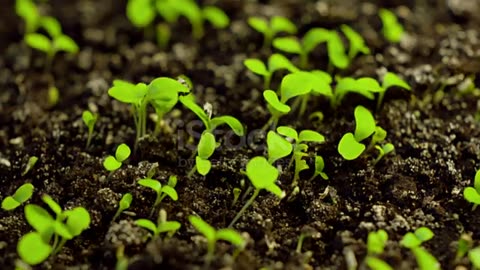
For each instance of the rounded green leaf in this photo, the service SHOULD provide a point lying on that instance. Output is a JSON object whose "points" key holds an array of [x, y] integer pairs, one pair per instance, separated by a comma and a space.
{"points": [[9, 203], [364, 123], [111, 164], [172, 180], [357, 43], [314, 37], [231, 121], [39, 42], [151, 183], [296, 84], [272, 99], [288, 44], [391, 79], [409, 240], [319, 166], [336, 51], [474, 256], [167, 9], [425, 260], [424, 234], [125, 201], [171, 192], [277, 61], [216, 17], [38, 218], [311, 136], [259, 24], [261, 173], [203, 165], [65, 43], [32, 249], [377, 264], [140, 12], [278, 147], [256, 66], [207, 145], [471, 195], [122, 152], [78, 220], [52, 204], [288, 132], [387, 148], [51, 25], [282, 24], [87, 118], [476, 181], [189, 102], [324, 76], [392, 30], [127, 92], [349, 148], [23, 193], [203, 227], [169, 226], [147, 224], [231, 236]]}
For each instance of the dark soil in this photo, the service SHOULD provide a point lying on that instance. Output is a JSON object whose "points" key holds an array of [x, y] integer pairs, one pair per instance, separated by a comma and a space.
{"points": [[436, 137]]}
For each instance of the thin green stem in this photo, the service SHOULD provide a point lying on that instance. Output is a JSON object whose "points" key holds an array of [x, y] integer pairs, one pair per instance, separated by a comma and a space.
{"points": [[249, 202], [210, 253], [192, 171], [300, 243]]}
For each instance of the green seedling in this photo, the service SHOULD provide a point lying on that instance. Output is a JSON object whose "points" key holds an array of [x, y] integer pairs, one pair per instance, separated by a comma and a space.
{"points": [[299, 148], [123, 205], [113, 163], [383, 150], [28, 11], [392, 30], [271, 28], [305, 232], [376, 242], [465, 243], [474, 257], [161, 191], [50, 233], [390, 79], [21, 195], [303, 47], [89, 119], [350, 146], [413, 241], [277, 146], [364, 86], [162, 93], [53, 96], [356, 41], [30, 164], [472, 194], [262, 175], [163, 225], [319, 166], [275, 62], [122, 260], [207, 143], [212, 236], [336, 52]]}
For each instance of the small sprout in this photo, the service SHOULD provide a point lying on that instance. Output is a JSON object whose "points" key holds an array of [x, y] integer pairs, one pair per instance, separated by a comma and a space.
{"points": [[377, 264], [306, 231], [58, 43], [112, 163], [357, 43], [465, 243], [270, 29], [30, 164], [141, 13], [336, 52], [383, 150], [28, 11], [53, 96], [212, 236], [390, 79], [262, 175], [163, 225], [392, 30], [376, 242], [413, 241], [363, 86], [161, 191], [89, 119], [236, 195], [472, 194], [275, 62], [123, 205], [122, 260], [349, 147], [319, 166], [21, 195], [278, 147]]}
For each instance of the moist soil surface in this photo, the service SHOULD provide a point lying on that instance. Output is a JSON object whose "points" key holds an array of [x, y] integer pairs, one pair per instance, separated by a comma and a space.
{"points": [[434, 129]]}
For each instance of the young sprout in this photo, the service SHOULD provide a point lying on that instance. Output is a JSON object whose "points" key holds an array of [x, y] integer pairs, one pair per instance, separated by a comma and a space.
{"points": [[212, 236], [30, 164], [364, 86], [161, 191], [112, 163], [21, 195], [356, 41], [390, 79], [28, 11], [163, 225], [383, 150], [319, 166], [306, 231], [122, 260], [310, 40], [89, 119], [336, 52], [413, 241], [464, 245], [317, 81], [472, 194], [262, 175], [277, 146], [392, 30], [271, 28], [35, 247], [376, 242], [53, 96], [275, 62], [123, 205]]}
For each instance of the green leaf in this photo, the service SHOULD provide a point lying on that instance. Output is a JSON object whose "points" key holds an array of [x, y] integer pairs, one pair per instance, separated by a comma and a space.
{"points": [[349, 148], [471, 195], [127, 92], [189, 102], [151, 183], [357, 43], [314, 37], [288, 132], [38, 42], [272, 99], [21, 195], [256, 66], [62, 230], [216, 17], [348, 84], [261, 173], [364, 123], [424, 234], [392, 30], [51, 25], [296, 84], [172, 181], [207, 145], [377, 264], [391, 79], [203, 227], [282, 24], [147, 224], [52, 204], [203, 165], [231, 121], [425, 260], [169, 226], [9, 203], [32, 249], [476, 181], [65, 43], [336, 51], [38, 218], [259, 24], [78, 220], [277, 61], [122, 152], [376, 242], [288, 44], [140, 12], [319, 166], [168, 10], [125, 201], [324, 76], [410, 240], [111, 164], [379, 135], [231, 236], [387, 148], [278, 147], [171, 192], [474, 257], [88, 118], [163, 93], [27, 10], [311, 136]]}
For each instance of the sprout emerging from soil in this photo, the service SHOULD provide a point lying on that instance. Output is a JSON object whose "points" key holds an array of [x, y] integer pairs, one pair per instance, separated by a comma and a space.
{"points": [[319, 166], [35, 247], [30, 164], [123, 205], [390, 79], [212, 236], [21, 195], [89, 119], [275, 62], [413, 241], [163, 225], [262, 175], [376, 242], [472, 194], [161, 191], [356, 41], [392, 30], [271, 28], [364, 86], [113, 163]]}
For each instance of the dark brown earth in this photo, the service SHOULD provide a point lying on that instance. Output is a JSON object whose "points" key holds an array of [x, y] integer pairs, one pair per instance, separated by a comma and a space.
{"points": [[436, 137]]}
